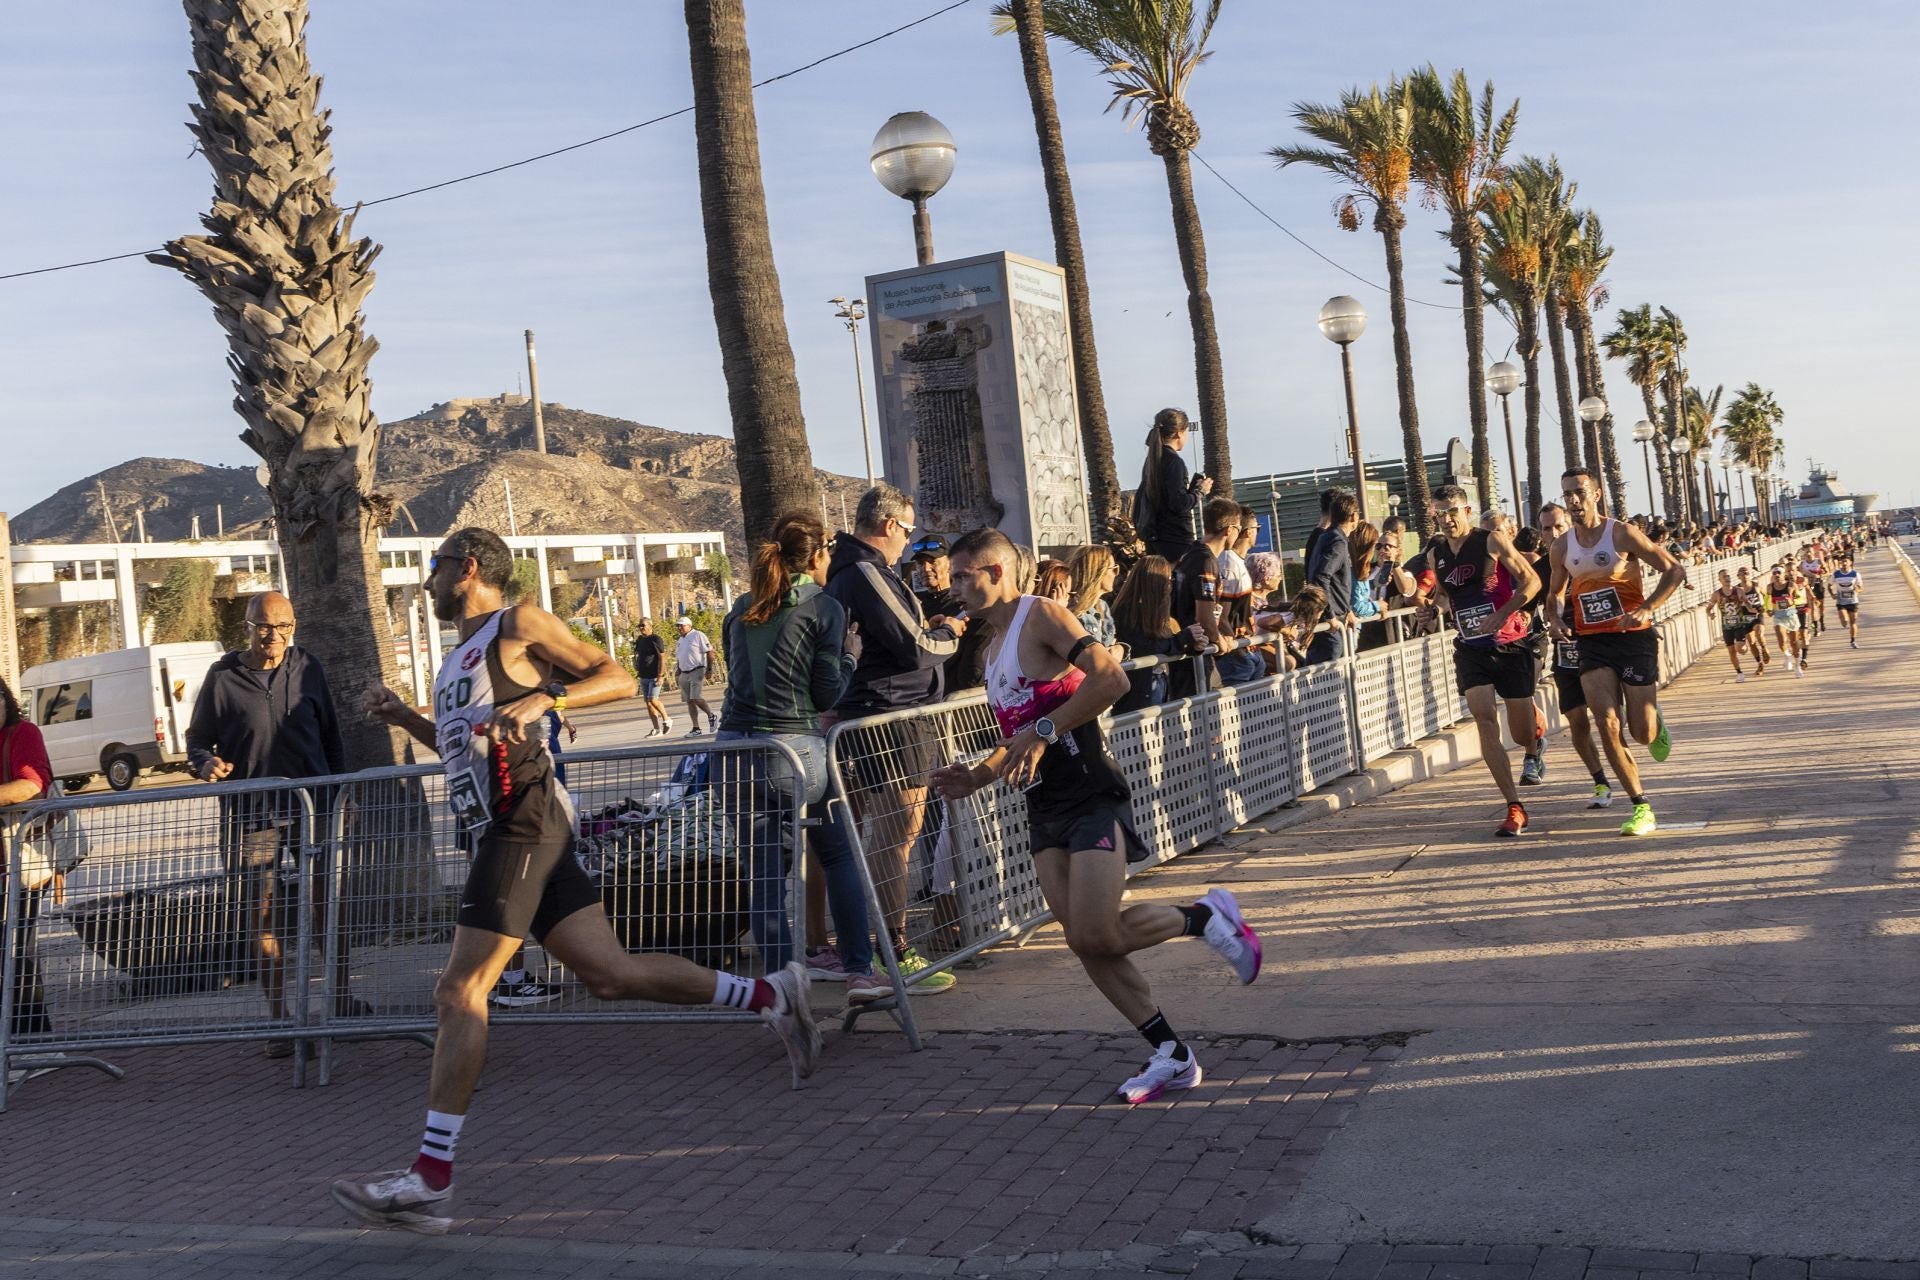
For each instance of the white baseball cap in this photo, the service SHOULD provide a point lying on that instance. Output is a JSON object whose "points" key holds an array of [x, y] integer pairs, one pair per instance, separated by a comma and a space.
{"points": [[684, 621]]}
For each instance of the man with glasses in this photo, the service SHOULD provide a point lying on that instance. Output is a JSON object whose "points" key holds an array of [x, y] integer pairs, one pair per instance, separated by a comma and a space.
{"points": [[1597, 569], [265, 712], [903, 654], [1486, 583]]}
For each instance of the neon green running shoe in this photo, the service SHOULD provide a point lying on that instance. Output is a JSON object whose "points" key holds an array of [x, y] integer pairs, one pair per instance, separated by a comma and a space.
{"points": [[925, 984], [1642, 822], [1662, 745], [1602, 796]]}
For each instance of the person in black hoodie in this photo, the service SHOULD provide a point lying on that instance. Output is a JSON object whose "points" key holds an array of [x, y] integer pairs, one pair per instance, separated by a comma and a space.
{"points": [[266, 712], [903, 653], [967, 668], [1164, 503]]}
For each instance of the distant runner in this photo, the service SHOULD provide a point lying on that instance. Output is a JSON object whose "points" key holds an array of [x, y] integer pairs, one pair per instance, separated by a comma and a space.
{"points": [[1786, 619], [1846, 597]]}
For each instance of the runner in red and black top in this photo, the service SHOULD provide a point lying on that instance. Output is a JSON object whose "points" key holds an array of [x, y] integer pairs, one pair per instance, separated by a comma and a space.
{"points": [[1486, 584], [1048, 682]]}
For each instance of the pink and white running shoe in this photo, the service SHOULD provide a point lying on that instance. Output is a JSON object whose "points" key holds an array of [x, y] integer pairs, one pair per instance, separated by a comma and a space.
{"points": [[1228, 933], [1163, 1072]]}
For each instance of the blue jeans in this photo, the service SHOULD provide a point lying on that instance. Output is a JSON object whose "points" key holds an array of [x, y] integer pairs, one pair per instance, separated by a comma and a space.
{"points": [[774, 800], [1240, 667]]}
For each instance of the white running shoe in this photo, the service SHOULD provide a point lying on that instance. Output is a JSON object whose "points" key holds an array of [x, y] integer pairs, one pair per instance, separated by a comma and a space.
{"points": [[792, 1020], [399, 1199], [1739, 677], [1228, 933], [1163, 1072]]}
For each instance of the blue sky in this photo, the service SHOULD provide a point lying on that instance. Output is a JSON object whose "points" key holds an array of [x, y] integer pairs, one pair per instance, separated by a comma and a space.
{"points": [[1752, 163]]}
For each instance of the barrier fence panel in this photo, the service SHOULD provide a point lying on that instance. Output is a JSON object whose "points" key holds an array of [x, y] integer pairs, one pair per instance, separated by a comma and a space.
{"points": [[1318, 725], [1166, 753], [1253, 727], [189, 919], [1380, 695]]}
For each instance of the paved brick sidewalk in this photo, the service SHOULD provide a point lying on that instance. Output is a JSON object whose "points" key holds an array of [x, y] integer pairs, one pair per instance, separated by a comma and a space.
{"points": [[1002, 1143]]}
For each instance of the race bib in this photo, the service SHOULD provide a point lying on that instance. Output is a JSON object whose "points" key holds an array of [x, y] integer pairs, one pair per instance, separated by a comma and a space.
{"points": [[1600, 606], [1475, 621], [466, 787], [1566, 655]]}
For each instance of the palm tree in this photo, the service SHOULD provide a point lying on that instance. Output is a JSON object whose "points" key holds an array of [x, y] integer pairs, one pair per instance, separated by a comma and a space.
{"points": [[1368, 145], [1588, 257], [1150, 50], [1752, 427], [1459, 150], [1697, 418], [1026, 18], [1670, 338], [763, 395], [1511, 263], [1636, 339], [1551, 197], [287, 279]]}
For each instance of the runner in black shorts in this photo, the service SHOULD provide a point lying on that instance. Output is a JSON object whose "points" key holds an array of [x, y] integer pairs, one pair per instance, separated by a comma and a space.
{"points": [[1047, 682], [1564, 665], [491, 700], [1486, 584]]}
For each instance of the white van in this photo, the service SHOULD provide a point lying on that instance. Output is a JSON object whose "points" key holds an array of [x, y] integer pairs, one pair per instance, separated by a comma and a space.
{"points": [[117, 713]]}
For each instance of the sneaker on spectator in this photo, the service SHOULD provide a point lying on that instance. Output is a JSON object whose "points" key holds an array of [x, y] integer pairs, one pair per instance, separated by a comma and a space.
{"points": [[522, 994], [929, 984], [824, 965], [865, 988]]}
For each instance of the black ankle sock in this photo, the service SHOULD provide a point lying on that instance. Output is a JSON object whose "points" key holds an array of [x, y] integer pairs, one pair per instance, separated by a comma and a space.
{"points": [[1197, 916], [1157, 1033], [1637, 799], [1599, 778]]}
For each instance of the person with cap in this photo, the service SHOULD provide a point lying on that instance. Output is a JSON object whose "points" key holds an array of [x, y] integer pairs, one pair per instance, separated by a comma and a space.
{"points": [[692, 653], [967, 668]]}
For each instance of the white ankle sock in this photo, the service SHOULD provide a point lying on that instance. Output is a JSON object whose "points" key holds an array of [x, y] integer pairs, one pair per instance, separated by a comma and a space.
{"points": [[442, 1135]]}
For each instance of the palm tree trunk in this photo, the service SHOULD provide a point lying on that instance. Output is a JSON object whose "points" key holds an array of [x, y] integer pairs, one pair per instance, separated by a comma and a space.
{"points": [[1562, 383], [1096, 437], [1207, 371], [1588, 352], [1473, 311], [1530, 357], [1418, 493], [763, 395], [287, 279]]}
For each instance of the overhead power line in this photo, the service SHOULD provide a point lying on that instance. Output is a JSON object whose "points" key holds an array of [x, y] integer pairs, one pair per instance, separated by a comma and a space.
{"points": [[547, 155]]}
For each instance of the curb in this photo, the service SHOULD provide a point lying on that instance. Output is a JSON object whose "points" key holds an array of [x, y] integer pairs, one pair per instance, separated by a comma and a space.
{"points": [[1448, 750]]}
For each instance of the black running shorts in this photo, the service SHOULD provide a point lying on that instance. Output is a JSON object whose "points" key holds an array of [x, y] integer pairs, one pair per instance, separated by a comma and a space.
{"points": [[1573, 694], [517, 887], [1512, 669], [1634, 656], [1100, 824], [1847, 608]]}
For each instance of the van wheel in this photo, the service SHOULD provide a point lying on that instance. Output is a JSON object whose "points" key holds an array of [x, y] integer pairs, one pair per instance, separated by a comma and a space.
{"points": [[122, 771]]}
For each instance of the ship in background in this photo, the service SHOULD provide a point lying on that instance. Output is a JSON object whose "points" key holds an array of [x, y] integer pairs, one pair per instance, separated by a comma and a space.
{"points": [[1823, 499]]}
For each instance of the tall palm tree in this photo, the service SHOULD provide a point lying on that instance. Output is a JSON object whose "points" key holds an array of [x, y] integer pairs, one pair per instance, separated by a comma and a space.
{"points": [[1586, 267], [1150, 50], [1670, 339], [1459, 154], [1636, 339], [1550, 196], [1698, 416], [763, 394], [287, 279], [1027, 20], [1752, 426], [1367, 143], [1511, 262]]}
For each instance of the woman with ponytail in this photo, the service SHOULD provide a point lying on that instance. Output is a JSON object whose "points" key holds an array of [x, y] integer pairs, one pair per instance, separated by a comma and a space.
{"points": [[1163, 505], [789, 657]]}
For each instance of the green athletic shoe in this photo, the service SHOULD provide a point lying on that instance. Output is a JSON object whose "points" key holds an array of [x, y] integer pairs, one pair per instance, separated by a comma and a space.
{"points": [[1662, 745], [1602, 796], [1641, 823], [926, 984]]}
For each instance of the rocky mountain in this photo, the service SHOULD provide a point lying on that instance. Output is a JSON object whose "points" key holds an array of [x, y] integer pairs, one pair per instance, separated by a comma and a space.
{"points": [[450, 466]]}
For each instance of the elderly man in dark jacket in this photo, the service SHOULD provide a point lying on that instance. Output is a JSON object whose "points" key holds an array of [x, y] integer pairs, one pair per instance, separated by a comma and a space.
{"points": [[901, 661], [266, 712]]}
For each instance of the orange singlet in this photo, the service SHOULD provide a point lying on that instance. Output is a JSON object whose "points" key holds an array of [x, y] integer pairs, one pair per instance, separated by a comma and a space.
{"points": [[1604, 583]]}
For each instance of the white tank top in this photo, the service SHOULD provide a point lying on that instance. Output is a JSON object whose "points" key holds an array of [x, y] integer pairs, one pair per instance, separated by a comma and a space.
{"points": [[464, 697]]}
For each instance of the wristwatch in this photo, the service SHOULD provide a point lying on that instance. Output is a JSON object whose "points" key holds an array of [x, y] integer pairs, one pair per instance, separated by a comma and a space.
{"points": [[558, 692], [1048, 731]]}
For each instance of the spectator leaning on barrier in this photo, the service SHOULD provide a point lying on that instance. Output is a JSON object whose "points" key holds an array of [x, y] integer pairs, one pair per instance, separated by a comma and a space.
{"points": [[649, 656], [1143, 621], [1331, 570], [1235, 586], [1312, 544], [1196, 588], [902, 657], [790, 655], [966, 669], [692, 655], [1163, 504], [25, 775], [266, 712]]}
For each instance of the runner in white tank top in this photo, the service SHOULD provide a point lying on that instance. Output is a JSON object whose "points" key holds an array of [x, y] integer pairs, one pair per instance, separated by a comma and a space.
{"points": [[491, 701], [1048, 683]]}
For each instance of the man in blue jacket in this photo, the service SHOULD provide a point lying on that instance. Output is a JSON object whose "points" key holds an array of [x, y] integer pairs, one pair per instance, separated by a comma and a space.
{"points": [[900, 665]]}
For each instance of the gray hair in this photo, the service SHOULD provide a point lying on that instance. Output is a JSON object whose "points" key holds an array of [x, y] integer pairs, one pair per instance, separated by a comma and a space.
{"points": [[878, 505]]}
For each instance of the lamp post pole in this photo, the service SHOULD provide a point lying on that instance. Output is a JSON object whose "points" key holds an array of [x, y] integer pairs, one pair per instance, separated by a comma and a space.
{"points": [[1592, 409], [1503, 380], [852, 313], [912, 157], [533, 392], [1644, 431], [1342, 320], [1682, 456]]}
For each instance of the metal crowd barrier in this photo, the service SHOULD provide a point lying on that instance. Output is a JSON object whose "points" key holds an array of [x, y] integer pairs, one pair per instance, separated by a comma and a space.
{"points": [[168, 927], [957, 878]]}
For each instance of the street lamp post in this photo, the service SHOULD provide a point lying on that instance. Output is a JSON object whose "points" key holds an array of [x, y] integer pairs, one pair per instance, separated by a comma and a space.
{"points": [[1726, 481], [1644, 431], [1342, 320], [1592, 409], [852, 313], [1681, 451], [1273, 519], [913, 158], [1503, 380]]}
